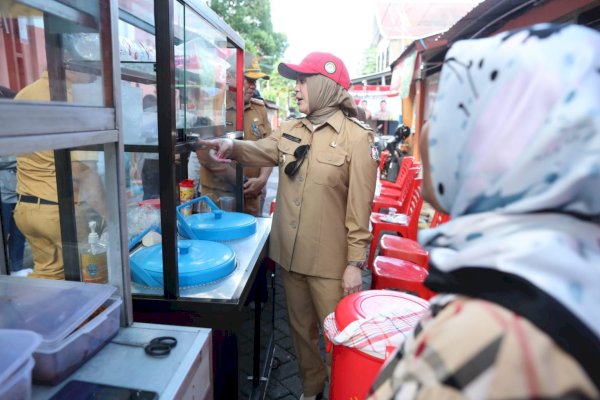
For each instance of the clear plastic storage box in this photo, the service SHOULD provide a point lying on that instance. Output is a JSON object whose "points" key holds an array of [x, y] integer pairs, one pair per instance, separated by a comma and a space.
{"points": [[16, 363], [59, 312]]}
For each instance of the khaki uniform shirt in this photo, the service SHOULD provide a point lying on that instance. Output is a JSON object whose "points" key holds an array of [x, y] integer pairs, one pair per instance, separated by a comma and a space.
{"points": [[322, 216], [256, 126], [36, 172]]}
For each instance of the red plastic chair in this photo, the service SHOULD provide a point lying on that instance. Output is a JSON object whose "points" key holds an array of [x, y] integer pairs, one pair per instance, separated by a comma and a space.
{"points": [[397, 192], [404, 249], [438, 219], [399, 202], [407, 249], [407, 163], [396, 274], [409, 230]]}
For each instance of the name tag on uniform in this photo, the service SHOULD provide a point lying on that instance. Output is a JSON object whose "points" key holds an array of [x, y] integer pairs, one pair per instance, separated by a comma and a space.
{"points": [[292, 138]]}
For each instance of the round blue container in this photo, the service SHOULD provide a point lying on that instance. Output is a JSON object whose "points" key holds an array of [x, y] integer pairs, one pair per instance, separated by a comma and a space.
{"points": [[200, 262], [215, 225]]}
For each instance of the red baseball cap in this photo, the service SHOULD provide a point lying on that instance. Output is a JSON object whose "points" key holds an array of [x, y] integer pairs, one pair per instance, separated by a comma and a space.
{"points": [[325, 64]]}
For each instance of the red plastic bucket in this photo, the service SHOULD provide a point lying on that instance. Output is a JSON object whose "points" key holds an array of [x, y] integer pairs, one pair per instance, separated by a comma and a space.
{"points": [[354, 371]]}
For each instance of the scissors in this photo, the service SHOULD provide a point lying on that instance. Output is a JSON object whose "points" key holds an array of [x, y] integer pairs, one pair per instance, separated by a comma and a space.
{"points": [[158, 347]]}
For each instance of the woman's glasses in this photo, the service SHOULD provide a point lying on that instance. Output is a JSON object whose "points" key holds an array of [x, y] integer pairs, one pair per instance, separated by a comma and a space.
{"points": [[299, 154]]}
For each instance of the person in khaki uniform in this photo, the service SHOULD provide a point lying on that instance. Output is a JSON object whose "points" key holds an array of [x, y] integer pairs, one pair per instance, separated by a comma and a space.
{"points": [[36, 212], [218, 179], [327, 171], [256, 126]]}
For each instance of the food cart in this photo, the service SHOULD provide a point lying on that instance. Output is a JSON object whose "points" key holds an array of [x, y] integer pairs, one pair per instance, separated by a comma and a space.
{"points": [[103, 59]]}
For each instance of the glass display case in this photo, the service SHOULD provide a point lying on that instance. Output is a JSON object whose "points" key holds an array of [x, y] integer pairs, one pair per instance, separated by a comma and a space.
{"points": [[102, 102], [201, 72], [59, 143], [187, 85]]}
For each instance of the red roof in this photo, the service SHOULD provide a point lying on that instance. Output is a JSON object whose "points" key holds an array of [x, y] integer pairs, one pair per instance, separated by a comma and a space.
{"points": [[419, 18]]}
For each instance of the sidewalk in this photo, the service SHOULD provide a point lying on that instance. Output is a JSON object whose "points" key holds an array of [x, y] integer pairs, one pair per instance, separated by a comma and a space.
{"points": [[284, 382]]}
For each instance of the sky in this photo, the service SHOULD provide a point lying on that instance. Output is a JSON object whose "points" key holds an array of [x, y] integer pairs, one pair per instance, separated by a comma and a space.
{"points": [[341, 27]]}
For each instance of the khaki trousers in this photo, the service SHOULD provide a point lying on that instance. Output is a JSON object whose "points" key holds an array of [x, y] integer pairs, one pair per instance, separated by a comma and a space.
{"points": [[309, 300], [40, 224]]}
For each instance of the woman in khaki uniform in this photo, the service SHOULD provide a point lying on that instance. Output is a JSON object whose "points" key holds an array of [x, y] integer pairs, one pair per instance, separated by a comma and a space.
{"points": [[327, 172]]}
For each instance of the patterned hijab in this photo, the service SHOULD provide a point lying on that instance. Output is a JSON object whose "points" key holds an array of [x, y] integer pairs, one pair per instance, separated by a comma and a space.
{"points": [[325, 98], [514, 145]]}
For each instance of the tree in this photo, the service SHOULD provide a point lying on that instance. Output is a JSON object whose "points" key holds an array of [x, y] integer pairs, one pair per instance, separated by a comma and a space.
{"points": [[281, 91], [369, 61], [252, 21]]}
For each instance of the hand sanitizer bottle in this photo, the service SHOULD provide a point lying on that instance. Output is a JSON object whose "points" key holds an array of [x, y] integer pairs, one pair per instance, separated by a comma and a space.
{"points": [[93, 258]]}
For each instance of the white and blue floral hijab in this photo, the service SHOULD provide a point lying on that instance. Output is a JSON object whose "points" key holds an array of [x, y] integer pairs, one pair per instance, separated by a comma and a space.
{"points": [[514, 145]]}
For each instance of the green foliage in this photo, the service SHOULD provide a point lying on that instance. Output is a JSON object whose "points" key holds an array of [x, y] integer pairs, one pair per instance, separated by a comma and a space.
{"points": [[281, 91], [369, 61], [252, 21]]}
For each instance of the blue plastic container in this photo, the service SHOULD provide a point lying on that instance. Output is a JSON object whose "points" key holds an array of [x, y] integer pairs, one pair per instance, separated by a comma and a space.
{"points": [[215, 225], [200, 262]]}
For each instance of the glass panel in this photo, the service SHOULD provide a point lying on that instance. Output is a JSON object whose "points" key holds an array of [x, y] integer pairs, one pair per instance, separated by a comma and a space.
{"points": [[201, 62], [143, 192], [34, 225], [138, 85], [205, 73], [142, 9], [52, 54]]}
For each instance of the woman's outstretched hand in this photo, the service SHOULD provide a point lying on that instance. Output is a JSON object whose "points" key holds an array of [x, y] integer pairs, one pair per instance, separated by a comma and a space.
{"points": [[222, 147]]}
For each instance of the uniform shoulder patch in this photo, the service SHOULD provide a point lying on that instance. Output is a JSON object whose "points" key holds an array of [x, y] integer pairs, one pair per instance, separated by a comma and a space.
{"points": [[257, 101], [360, 123]]}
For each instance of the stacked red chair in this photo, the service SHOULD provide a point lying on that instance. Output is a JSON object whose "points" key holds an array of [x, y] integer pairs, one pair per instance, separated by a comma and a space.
{"points": [[396, 274], [407, 163], [403, 263], [407, 249], [396, 198], [381, 223]]}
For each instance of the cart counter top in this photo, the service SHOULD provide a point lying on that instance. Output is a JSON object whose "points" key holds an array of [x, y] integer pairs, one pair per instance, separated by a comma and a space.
{"points": [[228, 289]]}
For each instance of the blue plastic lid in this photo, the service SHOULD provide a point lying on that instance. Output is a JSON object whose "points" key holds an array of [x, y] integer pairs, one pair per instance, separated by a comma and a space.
{"points": [[200, 262], [219, 225]]}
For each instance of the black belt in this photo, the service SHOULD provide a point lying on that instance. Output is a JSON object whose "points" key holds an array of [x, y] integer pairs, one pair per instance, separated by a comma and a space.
{"points": [[35, 200]]}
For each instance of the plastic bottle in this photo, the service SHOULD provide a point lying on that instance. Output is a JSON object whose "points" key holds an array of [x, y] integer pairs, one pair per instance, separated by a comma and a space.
{"points": [[186, 193], [93, 258]]}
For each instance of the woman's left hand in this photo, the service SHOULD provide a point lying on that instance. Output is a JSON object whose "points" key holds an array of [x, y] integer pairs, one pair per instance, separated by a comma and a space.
{"points": [[352, 280]]}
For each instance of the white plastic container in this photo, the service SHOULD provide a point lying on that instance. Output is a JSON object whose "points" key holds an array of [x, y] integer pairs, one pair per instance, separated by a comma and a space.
{"points": [[56, 310], [16, 363]]}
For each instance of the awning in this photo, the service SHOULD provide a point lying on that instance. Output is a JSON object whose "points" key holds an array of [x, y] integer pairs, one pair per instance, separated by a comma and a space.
{"points": [[402, 74]]}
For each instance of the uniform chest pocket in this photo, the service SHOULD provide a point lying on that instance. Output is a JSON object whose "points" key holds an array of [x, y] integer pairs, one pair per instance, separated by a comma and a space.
{"points": [[329, 168], [258, 129], [286, 153]]}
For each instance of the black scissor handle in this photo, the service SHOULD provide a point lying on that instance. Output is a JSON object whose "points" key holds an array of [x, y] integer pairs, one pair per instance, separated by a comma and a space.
{"points": [[160, 346], [165, 340], [157, 349]]}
